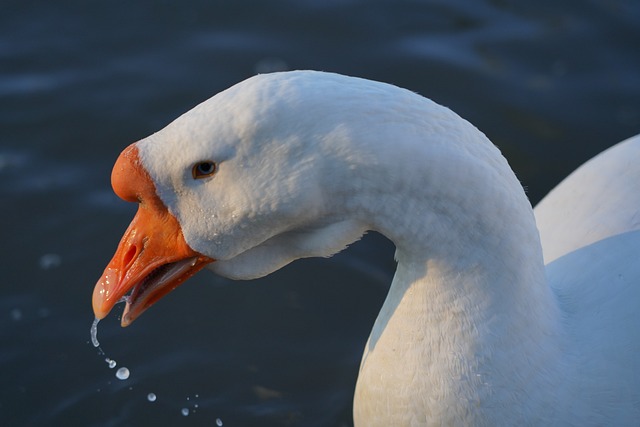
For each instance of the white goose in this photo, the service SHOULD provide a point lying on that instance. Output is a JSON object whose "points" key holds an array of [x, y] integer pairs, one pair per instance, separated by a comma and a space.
{"points": [[475, 329]]}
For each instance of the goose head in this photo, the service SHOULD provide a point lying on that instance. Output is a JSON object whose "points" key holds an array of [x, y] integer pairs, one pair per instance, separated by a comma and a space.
{"points": [[300, 164], [244, 183]]}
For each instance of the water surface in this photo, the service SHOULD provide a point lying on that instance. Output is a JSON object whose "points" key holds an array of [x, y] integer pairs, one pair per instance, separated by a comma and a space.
{"points": [[551, 83]]}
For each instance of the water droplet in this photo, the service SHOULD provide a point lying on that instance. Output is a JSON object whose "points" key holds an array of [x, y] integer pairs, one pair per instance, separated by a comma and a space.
{"points": [[185, 411], [122, 373], [112, 363], [94, 332], [151, 397], [218, 422]]}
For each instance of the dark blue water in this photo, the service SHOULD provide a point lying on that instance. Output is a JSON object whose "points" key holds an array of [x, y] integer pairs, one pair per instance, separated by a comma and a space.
{"points": [[551, 83]]}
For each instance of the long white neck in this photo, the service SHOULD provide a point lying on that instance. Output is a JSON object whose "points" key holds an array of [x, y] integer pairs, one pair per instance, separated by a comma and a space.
{"points": [[469, 321]]}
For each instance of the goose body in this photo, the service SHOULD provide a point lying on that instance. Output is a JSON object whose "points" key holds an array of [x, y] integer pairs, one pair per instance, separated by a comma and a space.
{"points": [[475, 329]]}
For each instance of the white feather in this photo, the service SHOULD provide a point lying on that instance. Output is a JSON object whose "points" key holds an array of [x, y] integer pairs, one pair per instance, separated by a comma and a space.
{"points": [[475, 330]]}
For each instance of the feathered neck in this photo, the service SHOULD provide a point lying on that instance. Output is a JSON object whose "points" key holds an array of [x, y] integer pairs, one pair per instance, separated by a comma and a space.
{"points": [[469, 310]]}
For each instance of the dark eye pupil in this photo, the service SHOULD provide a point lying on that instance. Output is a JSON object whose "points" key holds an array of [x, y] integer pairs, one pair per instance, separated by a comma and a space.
{"points": [[205, 168]]}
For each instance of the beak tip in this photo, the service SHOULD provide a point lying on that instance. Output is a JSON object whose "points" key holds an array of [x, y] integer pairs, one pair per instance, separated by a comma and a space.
{"points": [[101, 299], [98, 304], [99, 309], [126, 318]]}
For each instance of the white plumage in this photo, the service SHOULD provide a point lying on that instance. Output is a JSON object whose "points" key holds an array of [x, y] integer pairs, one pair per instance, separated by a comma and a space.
{"points": [[475, 329]]}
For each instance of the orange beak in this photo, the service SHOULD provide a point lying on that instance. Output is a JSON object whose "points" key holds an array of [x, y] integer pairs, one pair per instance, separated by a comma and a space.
{"points": [[153, 257]]}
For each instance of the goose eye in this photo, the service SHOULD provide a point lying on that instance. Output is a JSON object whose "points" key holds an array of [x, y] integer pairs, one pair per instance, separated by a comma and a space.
{"points": [[203, 170]]}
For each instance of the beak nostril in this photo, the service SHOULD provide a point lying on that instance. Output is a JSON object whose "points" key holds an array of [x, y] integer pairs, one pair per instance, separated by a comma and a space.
{"points": [[129, 256]]}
